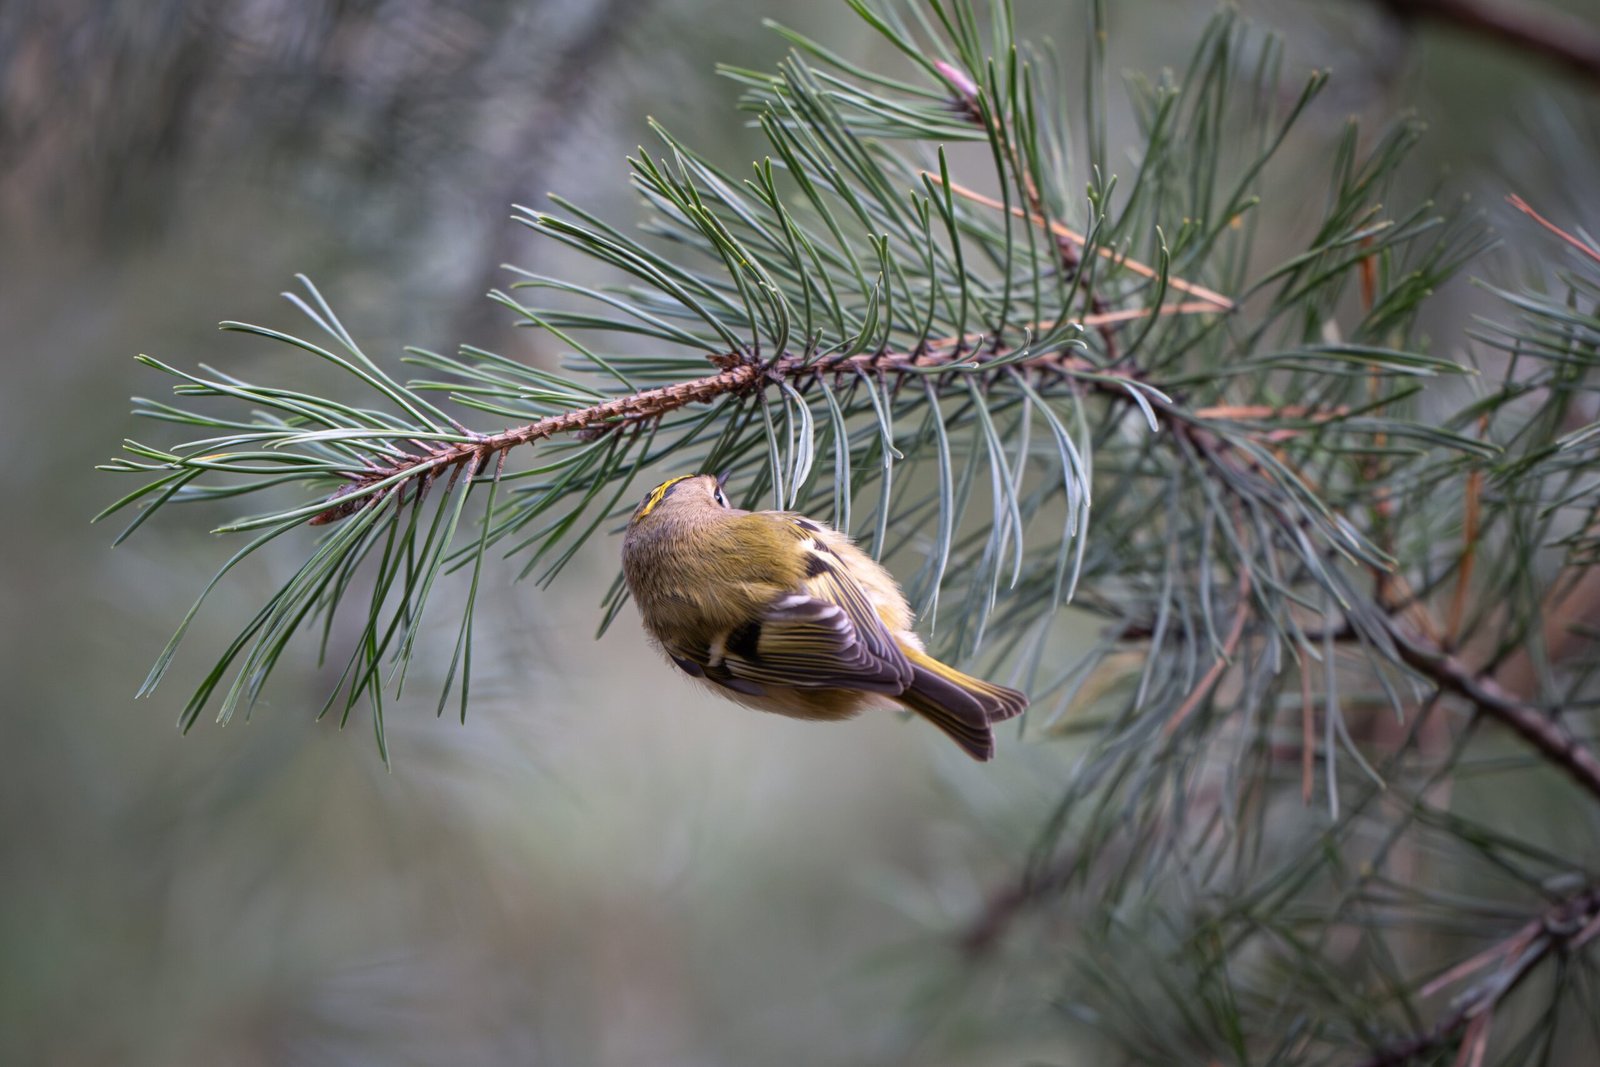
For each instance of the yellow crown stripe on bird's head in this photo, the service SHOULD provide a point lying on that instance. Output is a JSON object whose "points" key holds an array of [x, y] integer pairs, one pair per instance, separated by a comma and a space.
{"points": [[659, 493]]}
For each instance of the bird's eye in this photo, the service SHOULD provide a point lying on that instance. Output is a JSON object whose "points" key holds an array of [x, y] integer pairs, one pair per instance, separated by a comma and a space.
{"points": [[716, 495]]}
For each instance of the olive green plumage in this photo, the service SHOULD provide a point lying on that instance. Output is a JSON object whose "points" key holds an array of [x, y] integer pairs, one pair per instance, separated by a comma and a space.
{"points": [[785, 614]]}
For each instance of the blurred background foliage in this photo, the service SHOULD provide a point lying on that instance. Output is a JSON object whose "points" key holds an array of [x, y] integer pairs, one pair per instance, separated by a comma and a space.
{"points": [[600, 866]]}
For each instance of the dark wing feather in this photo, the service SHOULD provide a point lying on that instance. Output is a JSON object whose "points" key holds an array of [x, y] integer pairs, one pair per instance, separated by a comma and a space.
{"points": [[805, 641], [826, 634]]}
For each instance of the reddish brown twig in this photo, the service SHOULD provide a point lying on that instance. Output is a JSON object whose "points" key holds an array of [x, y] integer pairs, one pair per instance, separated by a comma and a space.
{"points": [[1080, 241], [1230, 646], [1522, 205], [646, 404], [1104, 318], [966, 101], [1261, 412]]}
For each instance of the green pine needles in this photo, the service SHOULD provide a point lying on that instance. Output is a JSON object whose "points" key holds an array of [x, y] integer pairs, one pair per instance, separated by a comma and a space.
{"points": [[830, 326], [1050, 378]]}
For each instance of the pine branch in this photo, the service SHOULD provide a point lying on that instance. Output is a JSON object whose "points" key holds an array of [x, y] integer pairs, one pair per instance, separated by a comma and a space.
{"points": [[971, 103], [818, 288], [1556, 744], [1537, 726], [1565, 927], [741, 374], [952, 378]]}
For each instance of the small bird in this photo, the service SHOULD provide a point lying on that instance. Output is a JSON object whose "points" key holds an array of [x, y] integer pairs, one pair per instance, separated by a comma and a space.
{"points": [[785, 614]]}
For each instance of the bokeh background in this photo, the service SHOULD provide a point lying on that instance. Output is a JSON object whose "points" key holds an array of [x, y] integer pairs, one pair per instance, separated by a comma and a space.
{"points": [[600, 866]]}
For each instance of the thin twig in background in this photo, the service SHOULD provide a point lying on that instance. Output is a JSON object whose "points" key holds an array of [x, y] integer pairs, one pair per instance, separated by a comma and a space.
{"points": [[1524, 25], [1566, 926]]}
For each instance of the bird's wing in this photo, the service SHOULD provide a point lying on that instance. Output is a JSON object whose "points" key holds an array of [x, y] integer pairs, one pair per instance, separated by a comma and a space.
{"points": [[825, 634]]}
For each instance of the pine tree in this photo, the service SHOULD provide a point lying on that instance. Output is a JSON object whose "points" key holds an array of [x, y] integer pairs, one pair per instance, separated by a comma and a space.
{"points": [[1342, 577]]}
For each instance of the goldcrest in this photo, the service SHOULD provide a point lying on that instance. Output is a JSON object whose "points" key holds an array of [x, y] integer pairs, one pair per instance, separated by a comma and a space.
{"points": [[785, 614]]}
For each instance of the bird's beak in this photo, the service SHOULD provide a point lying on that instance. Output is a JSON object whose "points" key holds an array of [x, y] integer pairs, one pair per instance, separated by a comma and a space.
{"points": [[722, 479]]}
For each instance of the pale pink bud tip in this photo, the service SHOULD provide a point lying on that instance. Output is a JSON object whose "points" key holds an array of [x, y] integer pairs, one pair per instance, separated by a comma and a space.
{"points": [[957, 78]]}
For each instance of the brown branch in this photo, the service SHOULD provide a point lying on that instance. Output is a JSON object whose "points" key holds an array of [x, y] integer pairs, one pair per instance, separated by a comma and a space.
{"points": [[1523, 24], [1480, 689], [1534, 725], [738, 374], [647, 404], [1567, 925]]}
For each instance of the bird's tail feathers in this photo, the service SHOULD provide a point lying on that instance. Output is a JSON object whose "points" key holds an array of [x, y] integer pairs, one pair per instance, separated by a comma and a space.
{"points": [[959, 704]]}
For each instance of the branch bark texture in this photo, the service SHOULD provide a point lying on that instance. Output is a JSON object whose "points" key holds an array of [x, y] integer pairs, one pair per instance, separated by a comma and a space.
{"points": [[1533, 724]]}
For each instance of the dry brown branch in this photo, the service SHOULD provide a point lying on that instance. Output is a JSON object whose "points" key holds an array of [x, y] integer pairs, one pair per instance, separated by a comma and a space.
{"points": [[1533, 724]]}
